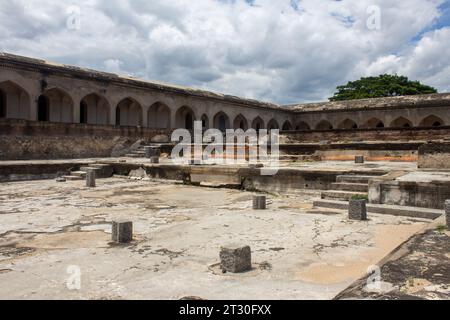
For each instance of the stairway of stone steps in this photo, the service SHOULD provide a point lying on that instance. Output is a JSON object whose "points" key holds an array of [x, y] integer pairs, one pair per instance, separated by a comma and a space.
{"points": [[347, 187], [138, 153], [101, 171]]}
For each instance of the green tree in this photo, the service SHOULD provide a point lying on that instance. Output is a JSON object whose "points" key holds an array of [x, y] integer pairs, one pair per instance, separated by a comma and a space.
{"points": [[385, 85]]}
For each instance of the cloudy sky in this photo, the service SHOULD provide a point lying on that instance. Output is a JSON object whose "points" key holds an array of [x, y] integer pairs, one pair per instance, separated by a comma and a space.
{"points": [[283, 51]]}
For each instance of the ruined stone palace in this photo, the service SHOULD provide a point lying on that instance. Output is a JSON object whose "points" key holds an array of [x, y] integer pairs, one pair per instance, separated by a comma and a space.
{"points": [[36, 90]]}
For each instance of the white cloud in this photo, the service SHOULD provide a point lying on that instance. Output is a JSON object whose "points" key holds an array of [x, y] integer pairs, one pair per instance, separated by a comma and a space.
{"points": [[269, 50]]}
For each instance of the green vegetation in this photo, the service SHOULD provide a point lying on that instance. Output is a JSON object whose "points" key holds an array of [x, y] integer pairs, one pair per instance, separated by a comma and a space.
{"points": [[382, 86], [441, 228], [360, 197]]}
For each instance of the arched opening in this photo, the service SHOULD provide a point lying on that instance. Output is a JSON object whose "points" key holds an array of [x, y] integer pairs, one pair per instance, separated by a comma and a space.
{"points": [[374, 123], [94, 109], [43, 112], [240, 123], [205, 122], [2, 104], [324, 125], [14, 101], [83, 112], [159, 116], [258, 124], [55, 105], [401, 122], [273, 125], [287, 126], [221, 121], [348, 124], [432, 121], [185, 118], [129, 113], [302, 126]]}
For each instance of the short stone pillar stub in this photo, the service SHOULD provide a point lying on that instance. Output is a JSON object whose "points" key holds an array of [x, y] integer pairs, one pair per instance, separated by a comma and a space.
{"points": [[60, 179], [447, 213], [359, 159], [90, 179], [255, 166], [152, 151], [154, 160], [357, 210], [122, 231], [235, 259], [259, 202]]}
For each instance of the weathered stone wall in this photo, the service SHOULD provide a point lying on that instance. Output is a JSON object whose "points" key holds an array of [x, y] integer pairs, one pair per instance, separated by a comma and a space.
{"points": [[380, 134], [25, 140], [434, 156]]}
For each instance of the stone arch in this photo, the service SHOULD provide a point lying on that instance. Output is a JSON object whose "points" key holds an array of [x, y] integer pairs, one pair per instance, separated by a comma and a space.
{"points": [[221, 121], [401, 122], [185, 118], [129, 113], [374, 123], [302, 126], [205, 122], [348, 124], [432, 121], [258, 124], [55, 105], [158, 116], [273, 125], [94, 109], [324, 125], [240, 122], [2, 104], [287, 126], [14, 101]]}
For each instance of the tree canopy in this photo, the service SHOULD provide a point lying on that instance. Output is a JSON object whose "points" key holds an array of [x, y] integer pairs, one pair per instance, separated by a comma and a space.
{"points": [[382, 86]]}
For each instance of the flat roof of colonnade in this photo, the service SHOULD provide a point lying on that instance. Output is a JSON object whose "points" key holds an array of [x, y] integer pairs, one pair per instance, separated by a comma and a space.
{"points": [[32, 64]]}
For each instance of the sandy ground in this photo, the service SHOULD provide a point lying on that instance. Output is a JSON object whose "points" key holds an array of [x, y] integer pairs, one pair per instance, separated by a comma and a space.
{"points": [[298, 252]]}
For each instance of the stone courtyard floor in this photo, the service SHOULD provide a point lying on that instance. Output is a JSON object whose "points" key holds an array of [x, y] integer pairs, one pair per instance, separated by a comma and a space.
{"points": [[298, 252]]}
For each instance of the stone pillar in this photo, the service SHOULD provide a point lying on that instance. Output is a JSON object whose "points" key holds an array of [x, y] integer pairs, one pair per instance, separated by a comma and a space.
{"points": [[154, 160], [152, 151], [90, 179], [359, 159], [259, 202], [447, 213], [357, 210], [235, 259], [122, 231]]}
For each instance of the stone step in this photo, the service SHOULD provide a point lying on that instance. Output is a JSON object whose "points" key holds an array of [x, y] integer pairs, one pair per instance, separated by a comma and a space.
{"points": [[414, 212], [354, 179], [133, 155], [345, 186], [73, 178], [81, 174], [342, 195]]}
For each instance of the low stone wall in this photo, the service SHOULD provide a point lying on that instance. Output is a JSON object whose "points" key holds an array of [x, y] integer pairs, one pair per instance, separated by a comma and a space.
{"points": [[434, 156], [361, 135], [28, 140]]}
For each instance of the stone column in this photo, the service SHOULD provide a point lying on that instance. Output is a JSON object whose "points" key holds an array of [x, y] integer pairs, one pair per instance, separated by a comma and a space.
{"points": [[122, 231], [259, 202], [357, 210], [447, 213], [90, 178], [152, 151], [359, 159], [154, 160], [235, 259]]}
